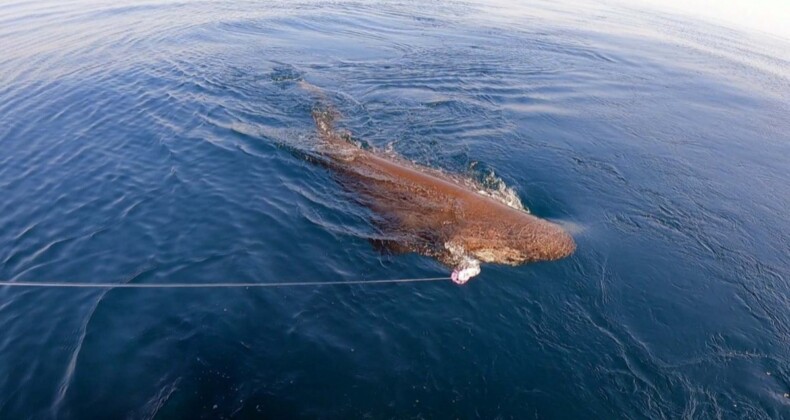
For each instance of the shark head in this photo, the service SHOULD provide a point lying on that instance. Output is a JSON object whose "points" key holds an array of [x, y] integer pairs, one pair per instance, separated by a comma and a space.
{"points": [[512, 239], [514, 244]]}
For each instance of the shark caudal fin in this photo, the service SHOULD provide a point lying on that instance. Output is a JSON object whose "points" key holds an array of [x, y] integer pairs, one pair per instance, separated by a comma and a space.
{"points": [[325, 115], [313, 90]]}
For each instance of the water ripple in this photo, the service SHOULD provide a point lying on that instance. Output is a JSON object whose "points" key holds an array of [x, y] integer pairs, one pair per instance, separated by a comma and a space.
{"points": [[167, 141]]}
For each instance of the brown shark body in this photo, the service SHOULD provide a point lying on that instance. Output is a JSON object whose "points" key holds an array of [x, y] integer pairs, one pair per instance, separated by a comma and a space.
{"points": [[425, 211]]}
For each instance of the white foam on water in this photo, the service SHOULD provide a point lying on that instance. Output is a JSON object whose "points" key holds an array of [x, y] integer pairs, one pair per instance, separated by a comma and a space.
{"points": [[491, 185], [495, 187]]}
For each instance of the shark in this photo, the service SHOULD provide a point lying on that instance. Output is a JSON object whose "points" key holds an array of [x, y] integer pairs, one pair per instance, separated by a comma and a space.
{"points": [[430, 212]]}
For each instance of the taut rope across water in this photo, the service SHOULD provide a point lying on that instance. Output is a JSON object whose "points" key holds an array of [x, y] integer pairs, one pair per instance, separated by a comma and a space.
{"points": [[85, 285]]}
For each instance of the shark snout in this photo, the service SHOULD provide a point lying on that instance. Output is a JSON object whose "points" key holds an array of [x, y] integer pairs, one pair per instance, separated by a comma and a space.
{"points": [[558, 245]]}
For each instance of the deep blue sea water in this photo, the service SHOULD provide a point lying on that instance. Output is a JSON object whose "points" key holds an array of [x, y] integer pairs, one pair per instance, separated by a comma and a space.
{"points": [[143, 143]]}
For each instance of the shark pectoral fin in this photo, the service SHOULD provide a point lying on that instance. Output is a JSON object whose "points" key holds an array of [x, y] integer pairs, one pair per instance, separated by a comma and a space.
{"points": [[390, 246]]}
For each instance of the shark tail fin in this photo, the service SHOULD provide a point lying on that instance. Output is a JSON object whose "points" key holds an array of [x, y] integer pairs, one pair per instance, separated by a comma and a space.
{"points": [[325, 115]]}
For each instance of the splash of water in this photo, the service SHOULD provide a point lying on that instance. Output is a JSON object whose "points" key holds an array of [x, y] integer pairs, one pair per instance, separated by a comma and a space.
{"points": [[488, 183]]}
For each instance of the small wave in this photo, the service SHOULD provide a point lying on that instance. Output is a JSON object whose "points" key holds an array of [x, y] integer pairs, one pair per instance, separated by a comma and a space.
{"points": [[488, 183], [285, 73], [483, 181]]}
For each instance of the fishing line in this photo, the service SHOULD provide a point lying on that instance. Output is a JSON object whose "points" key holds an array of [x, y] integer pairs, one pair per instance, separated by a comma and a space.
{"points": [[84, 285]]}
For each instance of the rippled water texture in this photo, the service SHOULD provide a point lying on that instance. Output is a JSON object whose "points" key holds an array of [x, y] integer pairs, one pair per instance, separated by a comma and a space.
{"points": [[155, 143]]}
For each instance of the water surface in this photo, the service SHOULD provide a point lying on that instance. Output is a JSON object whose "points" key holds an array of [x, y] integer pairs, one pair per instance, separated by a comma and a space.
{"points": [[145, 143]]}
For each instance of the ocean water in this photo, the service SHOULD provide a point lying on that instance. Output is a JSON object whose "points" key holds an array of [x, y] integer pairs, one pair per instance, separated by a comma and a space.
{"points": [[153, 143]]}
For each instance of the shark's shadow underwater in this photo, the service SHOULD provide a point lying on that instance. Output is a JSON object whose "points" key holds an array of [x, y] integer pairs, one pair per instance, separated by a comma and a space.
{"points": [[430, 213]]}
